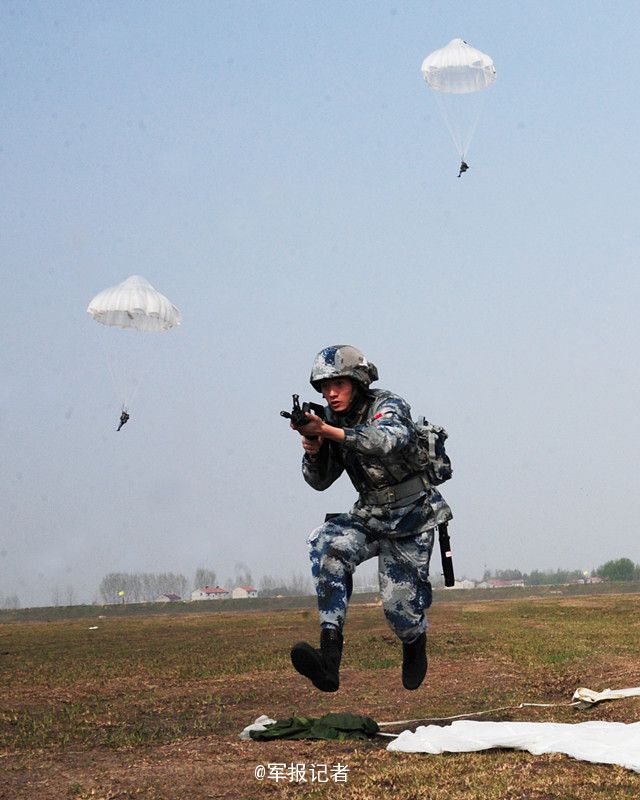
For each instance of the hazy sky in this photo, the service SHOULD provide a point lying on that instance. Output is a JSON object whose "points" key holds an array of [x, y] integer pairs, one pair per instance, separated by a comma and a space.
{"points": [[280, 171]]}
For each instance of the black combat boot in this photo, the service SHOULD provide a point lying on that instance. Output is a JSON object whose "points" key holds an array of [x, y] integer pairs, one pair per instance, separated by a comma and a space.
{"points": [[414, 662], [320, 666]]}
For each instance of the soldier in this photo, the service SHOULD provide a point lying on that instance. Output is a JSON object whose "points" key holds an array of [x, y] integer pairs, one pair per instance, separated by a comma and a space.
{"points": [[369, 434], [124, 418]]}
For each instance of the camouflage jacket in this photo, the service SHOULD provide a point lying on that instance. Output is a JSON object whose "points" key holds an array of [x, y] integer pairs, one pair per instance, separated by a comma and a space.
{"points": [[380, 449]]}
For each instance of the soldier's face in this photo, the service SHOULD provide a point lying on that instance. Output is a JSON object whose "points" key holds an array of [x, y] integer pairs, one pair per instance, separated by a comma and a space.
{"points": [[338, 392]]}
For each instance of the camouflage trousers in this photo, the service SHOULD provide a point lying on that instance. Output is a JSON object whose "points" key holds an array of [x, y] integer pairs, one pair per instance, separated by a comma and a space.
{"points": [[337, 547]]}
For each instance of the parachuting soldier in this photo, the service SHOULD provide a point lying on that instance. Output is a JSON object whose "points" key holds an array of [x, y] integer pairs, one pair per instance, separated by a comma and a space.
{"points": [[135, 305], [124, 418], [459, 74], [369, 434]]}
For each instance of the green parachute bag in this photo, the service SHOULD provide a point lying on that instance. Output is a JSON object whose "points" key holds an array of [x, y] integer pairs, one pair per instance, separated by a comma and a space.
{"points": [[336, 727]]}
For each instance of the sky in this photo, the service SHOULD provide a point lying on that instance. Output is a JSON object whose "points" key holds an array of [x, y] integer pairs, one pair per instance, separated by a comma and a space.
{"points": [[282, 173]]}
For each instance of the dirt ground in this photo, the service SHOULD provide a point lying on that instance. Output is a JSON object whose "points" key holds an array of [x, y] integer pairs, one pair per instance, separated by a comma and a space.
{"points": [[223, 766]]}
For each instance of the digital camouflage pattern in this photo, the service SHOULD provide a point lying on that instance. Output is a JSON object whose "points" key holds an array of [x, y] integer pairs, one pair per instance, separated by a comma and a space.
{"points": [[342, 360], [337, 547], [381, 449]]}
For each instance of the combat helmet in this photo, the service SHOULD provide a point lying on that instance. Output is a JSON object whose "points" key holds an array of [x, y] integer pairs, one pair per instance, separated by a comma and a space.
{"points": [[342, 360]]}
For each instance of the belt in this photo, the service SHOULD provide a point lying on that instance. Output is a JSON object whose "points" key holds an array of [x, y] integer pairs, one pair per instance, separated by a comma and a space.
{"points": [[390, 494]]}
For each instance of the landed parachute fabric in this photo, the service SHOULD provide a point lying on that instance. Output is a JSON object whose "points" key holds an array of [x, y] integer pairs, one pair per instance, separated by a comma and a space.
{"points": [[336, 727], [587, 697], [598, 742]]}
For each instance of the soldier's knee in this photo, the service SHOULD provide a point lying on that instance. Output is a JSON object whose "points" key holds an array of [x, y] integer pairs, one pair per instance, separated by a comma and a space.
{"points": [[320, 541], [407, 625], [328, 540], [314, 537], [405, 603]]}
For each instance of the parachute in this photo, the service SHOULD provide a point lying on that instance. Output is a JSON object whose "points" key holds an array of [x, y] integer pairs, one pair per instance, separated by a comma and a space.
{"points": [[459, 74], [135, 304], [138, 309]]}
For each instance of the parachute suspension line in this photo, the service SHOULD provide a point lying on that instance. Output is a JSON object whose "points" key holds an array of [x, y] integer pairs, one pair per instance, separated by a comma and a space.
{"points": [[473, 126], [583, 698], [137, 312], [462, 125], [119, 383], [475, 713], [149, 360], [454, 130], [130, 358]]}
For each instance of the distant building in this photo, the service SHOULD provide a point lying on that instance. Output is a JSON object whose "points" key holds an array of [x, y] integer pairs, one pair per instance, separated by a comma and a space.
{"points": [[244, 591], [464, 584], [210, 593], [168, 598], [496, 583]]}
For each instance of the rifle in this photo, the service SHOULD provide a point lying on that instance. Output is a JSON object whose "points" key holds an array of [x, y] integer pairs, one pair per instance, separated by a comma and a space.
{"points": [[298, 414], [445, 553]]}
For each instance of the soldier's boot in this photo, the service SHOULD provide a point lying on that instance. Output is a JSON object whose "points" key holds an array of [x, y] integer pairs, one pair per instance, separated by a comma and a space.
{"points": [[414, 662], [321, 666]]}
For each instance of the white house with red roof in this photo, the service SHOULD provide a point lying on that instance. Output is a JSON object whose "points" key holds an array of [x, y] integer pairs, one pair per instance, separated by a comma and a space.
{"points": [[210, 593], [244, 591]]}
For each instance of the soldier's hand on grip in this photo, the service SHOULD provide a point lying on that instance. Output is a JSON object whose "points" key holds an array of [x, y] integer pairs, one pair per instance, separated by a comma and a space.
{"points": [[312, 446]]}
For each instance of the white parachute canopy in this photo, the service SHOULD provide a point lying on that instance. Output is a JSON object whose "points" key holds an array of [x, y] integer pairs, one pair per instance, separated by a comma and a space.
{"points": [[459, 74], [135, 304], [131, 311]]}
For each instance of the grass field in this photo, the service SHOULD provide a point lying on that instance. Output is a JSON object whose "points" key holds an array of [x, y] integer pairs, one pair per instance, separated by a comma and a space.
{"points": [[150, 705]]}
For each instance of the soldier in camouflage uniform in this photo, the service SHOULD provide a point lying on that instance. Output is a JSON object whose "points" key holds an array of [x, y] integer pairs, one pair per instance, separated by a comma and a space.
{"points": [[369, 434]]}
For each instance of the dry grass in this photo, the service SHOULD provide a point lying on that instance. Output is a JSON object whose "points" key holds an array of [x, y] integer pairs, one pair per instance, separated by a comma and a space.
{"points": [[151, 707]]}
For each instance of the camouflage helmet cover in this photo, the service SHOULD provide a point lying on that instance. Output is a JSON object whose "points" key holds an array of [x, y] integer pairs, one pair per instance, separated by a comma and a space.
{"points": [[342, 360]]}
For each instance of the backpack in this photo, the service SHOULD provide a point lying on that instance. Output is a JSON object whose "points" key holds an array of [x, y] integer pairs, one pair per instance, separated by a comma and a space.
{"points": [[433, 457]]}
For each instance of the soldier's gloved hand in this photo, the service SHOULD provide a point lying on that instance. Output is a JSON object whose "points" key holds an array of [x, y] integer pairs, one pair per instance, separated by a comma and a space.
{"points": [[317, 427], [314, 427], [312, 446]]}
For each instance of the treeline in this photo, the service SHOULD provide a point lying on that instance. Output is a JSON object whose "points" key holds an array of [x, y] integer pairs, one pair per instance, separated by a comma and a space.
{"points": [[298, 585], [118, 587], [141, 587], [9, 601], [621, 569], [301, 585], [536, 577], [145, 587]]}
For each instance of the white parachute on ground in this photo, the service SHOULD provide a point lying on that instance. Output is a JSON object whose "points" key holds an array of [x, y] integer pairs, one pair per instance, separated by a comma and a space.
{"points": [[458, 74], [597, 741], [132, 310]]}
